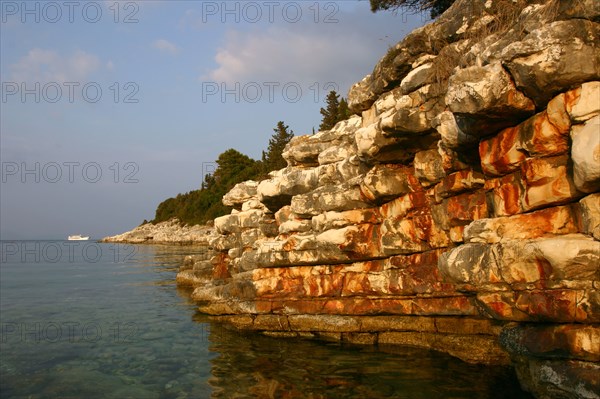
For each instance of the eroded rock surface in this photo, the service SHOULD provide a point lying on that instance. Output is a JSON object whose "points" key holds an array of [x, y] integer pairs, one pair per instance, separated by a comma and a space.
{"points": [[458, 209]]}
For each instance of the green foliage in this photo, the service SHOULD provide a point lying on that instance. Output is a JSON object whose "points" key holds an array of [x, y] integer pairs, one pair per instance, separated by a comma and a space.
{"points": [[233, 167], [343, 110], [435, 7], [272, 158], [200, 206], [336, 110]]}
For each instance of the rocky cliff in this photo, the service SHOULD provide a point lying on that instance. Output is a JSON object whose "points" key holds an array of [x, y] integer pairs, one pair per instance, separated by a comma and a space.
{"points": [[458, 209], [171, 232]]}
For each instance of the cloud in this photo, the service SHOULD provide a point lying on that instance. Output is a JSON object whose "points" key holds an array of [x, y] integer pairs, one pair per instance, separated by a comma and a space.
{"points": [[306, 52], [166, 46], [41, 65]]}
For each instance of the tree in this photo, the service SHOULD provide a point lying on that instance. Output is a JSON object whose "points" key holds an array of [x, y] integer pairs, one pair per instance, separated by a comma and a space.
{"points": [[336, 110], [435, 7], [199, 206], [272, 159], [343, 110]]}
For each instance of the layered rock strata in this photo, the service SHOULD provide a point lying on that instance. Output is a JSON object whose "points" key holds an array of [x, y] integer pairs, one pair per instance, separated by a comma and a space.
{"points": [[458, 208], [171, 232]]}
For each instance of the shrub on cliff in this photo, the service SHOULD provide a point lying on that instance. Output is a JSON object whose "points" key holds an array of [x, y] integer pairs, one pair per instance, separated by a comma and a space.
{"points": [[435, 7]]}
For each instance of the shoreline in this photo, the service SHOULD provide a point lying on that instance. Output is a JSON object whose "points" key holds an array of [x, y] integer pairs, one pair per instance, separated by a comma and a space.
{"points": [[171, 232]]}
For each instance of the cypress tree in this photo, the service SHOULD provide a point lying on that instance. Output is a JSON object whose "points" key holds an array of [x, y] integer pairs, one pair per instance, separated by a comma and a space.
{"points": [[272, 158]]}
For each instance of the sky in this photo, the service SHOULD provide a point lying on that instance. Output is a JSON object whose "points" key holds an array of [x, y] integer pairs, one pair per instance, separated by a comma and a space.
{"points": [[109, 107]]}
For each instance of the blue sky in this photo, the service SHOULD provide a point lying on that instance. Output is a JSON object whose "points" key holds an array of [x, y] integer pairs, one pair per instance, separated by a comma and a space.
{"points": [[110, 107]]}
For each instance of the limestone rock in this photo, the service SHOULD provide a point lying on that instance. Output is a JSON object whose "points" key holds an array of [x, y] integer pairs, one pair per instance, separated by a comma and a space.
{"points": [[506, 194], [429, 167], [586, 104], [335, 220], [375, 146], [485, 100], [330, 198], [546, 181], [557, 220], [461, 201], [569, 341], [590, 215], [459, 182], [278, 191], [570, 379], [383, 183], [416, 120], [240, 193], [235, 222], [452, 136], [168, 232], [540, 65], [304, 150], [416, 78], [360, 96], [585, 153], [342, 171]]}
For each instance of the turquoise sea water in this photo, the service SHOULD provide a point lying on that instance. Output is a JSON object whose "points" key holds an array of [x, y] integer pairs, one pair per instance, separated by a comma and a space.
{"points": [[88, 320]]}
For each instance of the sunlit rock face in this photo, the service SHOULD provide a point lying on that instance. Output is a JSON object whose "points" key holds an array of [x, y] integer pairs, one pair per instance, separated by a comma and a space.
{"points": [[169, 232], [458, 208]]}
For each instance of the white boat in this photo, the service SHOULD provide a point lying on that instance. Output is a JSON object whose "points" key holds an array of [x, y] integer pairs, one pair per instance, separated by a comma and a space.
{"points": [[78, 237]]}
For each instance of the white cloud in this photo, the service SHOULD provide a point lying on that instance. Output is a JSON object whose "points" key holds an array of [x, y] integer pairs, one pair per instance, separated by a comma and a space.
{"points": [[166, 46], [306, 53], [49, 66], [110, 65]]}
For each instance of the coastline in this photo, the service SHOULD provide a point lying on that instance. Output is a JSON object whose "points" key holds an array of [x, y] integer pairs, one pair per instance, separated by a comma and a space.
{"points": [[171, 232]]}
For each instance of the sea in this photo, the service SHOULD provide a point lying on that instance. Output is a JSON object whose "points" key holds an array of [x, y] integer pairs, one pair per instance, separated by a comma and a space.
{"points": [[94, 320]]}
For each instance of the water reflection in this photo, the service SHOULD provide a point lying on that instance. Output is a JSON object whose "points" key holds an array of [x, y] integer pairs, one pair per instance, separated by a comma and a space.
{"points": [[148, 342], [250, 365]]}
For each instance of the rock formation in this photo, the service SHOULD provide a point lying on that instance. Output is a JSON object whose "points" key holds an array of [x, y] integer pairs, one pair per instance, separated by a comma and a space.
{"points": [[458, 208], [170, 232]]}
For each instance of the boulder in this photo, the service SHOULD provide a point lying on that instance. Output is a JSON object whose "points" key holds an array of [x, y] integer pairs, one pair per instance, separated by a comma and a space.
{"points": [[383, 183], [343, 197], [558, 55], [550, 221], [546, 181], [240, 193], [585, 153], [484, 100], [277, 192], [429, 167], [585, 102]]}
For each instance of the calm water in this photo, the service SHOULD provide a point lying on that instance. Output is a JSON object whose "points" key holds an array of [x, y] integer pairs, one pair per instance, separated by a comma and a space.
{"points": [[87, 320]]}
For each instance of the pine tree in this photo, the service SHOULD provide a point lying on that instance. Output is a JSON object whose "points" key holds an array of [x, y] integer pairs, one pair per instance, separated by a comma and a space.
{"points": [[337, 110], [343, 110], [330, 114], [272, 158]]}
